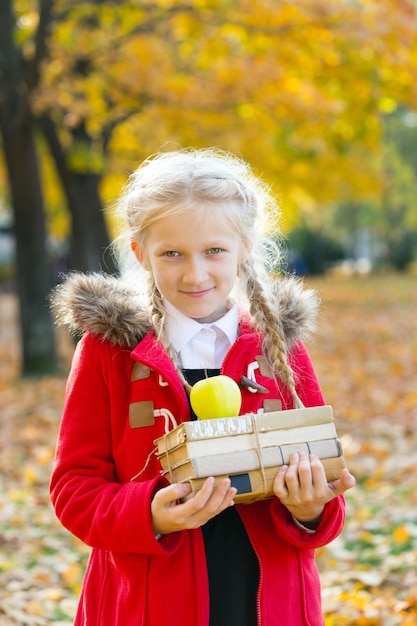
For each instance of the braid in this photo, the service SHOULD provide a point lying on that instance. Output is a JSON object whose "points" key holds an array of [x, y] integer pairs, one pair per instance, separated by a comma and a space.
{"points": [[158, 315], [157, 308], [268, 322]]}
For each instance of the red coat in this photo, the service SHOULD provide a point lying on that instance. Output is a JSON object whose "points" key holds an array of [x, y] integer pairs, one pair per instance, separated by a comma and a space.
{"points": [[132, 579]]}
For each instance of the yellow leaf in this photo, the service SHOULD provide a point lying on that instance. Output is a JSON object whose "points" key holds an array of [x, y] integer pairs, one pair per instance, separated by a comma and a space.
{"points": [[55, 595], [34, 608], [72, 576], [401, 534], [387, 105], [30, 474]]}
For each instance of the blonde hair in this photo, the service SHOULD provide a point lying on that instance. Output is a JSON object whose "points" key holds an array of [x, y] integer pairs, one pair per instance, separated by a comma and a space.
{"points": [[172, 183]]}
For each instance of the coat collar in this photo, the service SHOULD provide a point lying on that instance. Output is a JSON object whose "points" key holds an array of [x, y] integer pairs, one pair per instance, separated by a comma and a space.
{"points": [[106, 306], [181, 329]]}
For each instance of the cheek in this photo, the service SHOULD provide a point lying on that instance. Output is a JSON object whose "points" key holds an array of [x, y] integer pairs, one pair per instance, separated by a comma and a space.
{"points": [[235, 265], [229, 276], [163, 275]]}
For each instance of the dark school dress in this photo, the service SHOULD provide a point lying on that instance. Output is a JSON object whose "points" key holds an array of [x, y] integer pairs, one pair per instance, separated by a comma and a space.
{"points": [[233, 568]]}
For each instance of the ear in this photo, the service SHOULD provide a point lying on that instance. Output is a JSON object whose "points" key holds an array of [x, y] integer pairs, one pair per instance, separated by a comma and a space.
{"points": [[139, 253]]}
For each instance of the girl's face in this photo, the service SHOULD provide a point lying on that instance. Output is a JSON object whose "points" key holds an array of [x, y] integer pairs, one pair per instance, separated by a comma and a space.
{"points": [[194, 260]]}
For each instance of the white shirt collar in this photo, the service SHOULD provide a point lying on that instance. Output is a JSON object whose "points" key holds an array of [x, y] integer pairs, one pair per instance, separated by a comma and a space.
{"points": [[181, 328]]}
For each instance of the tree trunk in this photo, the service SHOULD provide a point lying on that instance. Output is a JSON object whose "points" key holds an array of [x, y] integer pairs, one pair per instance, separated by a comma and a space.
{"points": [[89, 238], [89, 242], [33, 272], [16, 129]]}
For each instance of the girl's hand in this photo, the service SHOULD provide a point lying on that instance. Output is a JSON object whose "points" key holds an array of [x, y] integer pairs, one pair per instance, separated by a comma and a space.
{"points": [[170, 515], [303, 489]]}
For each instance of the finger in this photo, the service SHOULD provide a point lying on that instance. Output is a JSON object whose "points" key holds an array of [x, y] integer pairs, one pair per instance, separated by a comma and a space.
{"points": [[312, 477], [293, 465], [292, 478], [305, 482], [211, 497], [222, 497], [342, 484], [182, 490], [171, 494], [202, 496], [208, 502], [166, 511], [280, 488], [318, 473]]}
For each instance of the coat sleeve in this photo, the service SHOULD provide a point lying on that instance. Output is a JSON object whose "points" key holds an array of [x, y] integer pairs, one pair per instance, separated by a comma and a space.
{"points": [[85, 491], [330, 527]]}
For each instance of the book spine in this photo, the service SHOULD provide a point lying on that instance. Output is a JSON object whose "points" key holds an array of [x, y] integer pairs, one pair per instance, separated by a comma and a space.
{"points": [[243, 443], [256, 485], [297, 435], [247, 460], [294, 418]]}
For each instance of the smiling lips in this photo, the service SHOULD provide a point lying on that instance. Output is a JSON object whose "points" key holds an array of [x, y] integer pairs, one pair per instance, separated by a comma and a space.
{"points": [[197, 294]]}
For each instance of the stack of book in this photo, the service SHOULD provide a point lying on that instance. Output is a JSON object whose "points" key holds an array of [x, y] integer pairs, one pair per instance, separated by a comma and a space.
{"points": [[249, 449]]}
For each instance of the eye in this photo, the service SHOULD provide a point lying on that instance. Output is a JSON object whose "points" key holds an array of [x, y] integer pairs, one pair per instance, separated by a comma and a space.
{"points": [[214, 250], [170, 253]]}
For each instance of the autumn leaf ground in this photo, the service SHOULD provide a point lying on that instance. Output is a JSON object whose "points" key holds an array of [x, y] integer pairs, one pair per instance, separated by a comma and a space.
{"points": [[365, 354]]}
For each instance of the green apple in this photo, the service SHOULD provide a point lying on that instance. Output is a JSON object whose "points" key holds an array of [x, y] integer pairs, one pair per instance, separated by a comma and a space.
{"points": [[217, 396]]}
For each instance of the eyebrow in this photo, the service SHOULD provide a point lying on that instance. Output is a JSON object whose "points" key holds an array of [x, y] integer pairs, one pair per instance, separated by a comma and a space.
{"points": [[214, 243]]}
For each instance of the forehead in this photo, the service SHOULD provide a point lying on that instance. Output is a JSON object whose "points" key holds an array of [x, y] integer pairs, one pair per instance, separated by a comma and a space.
{"points": [[188, 225]]}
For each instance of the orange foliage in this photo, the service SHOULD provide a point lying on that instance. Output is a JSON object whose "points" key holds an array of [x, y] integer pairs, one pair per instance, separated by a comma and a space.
{"points": [[298, 88]]}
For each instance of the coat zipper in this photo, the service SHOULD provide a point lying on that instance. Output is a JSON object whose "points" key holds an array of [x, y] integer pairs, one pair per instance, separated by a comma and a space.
{"points": [[261, 573]]}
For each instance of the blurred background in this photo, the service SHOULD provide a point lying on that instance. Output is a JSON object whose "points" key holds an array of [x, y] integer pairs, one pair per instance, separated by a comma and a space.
{"points": [[320, 97]]}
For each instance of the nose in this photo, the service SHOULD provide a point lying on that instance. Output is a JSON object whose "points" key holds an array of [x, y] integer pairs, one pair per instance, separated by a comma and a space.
{"points": [[195, 271]]}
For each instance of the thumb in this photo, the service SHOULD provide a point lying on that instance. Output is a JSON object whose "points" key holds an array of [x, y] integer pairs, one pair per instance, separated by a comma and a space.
{"points": [[171, 495], [342, 484], [180, 491]]}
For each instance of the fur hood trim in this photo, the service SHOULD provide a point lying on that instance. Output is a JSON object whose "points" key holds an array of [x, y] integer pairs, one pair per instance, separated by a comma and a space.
{"points": [[104, 305]]}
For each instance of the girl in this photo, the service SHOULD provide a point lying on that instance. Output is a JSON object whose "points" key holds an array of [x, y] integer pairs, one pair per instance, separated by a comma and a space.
{"points": [[197, 300]]}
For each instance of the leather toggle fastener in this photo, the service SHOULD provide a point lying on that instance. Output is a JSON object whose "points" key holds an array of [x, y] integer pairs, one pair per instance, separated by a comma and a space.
{"points": [[247, 383]]}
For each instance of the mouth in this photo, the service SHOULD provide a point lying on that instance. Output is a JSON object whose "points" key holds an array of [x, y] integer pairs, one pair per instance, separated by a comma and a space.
{"points": [[197, 294]]}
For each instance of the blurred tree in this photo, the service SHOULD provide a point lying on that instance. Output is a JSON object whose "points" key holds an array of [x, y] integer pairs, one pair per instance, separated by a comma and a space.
{"points": [[19, 76], [398, 202], [312, 251], [89, 239], [298, 88], [391, 219]]}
